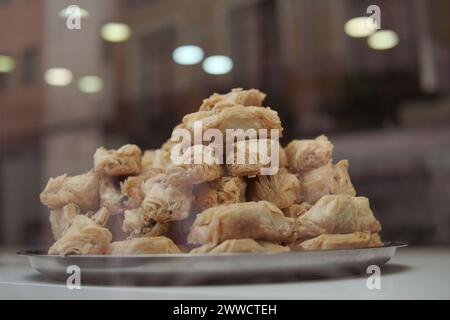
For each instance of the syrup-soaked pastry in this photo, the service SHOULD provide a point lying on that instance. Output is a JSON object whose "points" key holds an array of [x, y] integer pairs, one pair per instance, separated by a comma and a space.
{"points": [[337, 214], [143, 245], [304, 155], [257, 220], [220, 191], [125, 161], [340, 241], [241, 246], [282, 189], [82, 190]]}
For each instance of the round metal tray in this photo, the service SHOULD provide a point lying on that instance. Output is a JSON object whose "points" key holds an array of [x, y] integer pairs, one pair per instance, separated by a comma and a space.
{"points": [[194, 268]]}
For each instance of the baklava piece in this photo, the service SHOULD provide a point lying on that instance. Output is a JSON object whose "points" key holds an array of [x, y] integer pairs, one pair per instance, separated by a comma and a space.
{"points": [[255, 157], [340, 241], [235, 117], [143, 245], [251, 97], [325, 180], [225, 190], [304, 155], [241, 246], [257, 220], [61, 219], [125, 161], [166, 200], [84, 236], [282, 189], [337, 214], [82, 190]]}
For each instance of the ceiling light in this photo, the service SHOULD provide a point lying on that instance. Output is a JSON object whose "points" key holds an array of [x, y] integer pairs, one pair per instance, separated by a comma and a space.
{"points": [[217, 65], [360, 27], [383, 40], [58, 77], [7, 64], [90, 84], [188, 55], [69, 12], [115, 32]]}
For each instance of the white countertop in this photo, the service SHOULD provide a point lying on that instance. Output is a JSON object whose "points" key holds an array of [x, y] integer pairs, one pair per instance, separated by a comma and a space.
{"points": [[412, 274]]}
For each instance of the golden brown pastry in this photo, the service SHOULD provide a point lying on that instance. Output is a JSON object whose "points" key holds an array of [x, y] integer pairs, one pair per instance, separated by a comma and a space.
{"points": [[336, 214], [143, 245], [84, 236], [254, 157], [124, 161], [340, 241], [304, 155], [239, 96], [282, 189], [61, 219], [327, 179], [220, 191], [137, 222], [296, 210], [82, 190], [235, 117], [165, 200], [257, 220], [241, 246]]}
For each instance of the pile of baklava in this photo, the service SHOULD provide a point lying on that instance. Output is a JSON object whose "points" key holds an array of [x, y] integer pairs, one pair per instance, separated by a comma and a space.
{"points": [[307, 203]]}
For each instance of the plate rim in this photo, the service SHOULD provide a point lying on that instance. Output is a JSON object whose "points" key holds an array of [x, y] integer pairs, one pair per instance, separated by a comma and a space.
{"points": [[38, 253]]}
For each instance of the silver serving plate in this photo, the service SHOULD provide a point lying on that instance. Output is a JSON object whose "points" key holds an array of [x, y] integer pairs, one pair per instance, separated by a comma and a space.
{"points": [[176, 269]]}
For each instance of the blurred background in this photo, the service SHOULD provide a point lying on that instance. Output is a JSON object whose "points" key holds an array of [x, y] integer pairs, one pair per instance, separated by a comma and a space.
{"points": [[135, 67]]}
